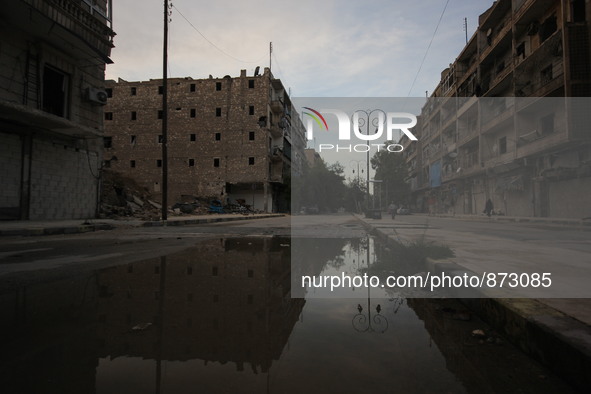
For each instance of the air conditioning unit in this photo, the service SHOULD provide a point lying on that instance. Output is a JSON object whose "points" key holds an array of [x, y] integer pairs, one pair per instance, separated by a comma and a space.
{"points": [[96, 96]]}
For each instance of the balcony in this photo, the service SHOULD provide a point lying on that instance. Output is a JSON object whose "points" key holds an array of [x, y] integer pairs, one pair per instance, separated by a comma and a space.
{"points": [[77, 21]]}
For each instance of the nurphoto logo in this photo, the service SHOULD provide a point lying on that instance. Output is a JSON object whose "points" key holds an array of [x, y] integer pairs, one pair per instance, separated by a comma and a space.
{"points": [[387, 122]]}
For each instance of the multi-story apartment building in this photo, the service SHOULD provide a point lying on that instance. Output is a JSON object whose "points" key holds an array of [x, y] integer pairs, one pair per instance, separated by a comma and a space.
{"points": [[52, 62], [507, 121], [228, 138]]}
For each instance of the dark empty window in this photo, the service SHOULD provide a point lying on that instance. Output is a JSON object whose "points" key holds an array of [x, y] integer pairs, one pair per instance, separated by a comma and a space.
{"points": [[109, 92], [218, 111], [133, 91], [546, 74], [251, 110], [218, 136], [160, 114], [108, 116], [133, 115], [158, 163], [216, 162], [547, 124], [132, 163], [251, 135], [548, 28], [251, 83], [214, 271], [132, 139], [107, 164], [218, 86], [251, 161], [160, 138], [108, 142], [502, 145], [191, 162], [55, 91], [192, 87], [193, 112], [160, 89], [192, 137]]}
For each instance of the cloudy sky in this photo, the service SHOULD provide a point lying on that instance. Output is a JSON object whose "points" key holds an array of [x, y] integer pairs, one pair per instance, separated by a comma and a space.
{"points": [[321, 48]]}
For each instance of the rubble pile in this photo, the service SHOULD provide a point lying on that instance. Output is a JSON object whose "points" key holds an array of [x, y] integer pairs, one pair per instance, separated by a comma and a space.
{"points": [[122, 197]]}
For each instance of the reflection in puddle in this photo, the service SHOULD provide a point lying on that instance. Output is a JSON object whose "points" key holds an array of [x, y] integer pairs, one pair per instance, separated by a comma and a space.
{"points": [[219, 317]]}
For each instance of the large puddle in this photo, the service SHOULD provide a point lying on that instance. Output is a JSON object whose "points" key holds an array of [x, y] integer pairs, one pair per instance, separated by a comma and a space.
{"points": [[219, 318]]}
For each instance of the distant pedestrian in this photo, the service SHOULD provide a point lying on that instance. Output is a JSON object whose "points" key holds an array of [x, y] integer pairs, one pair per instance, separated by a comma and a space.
{"points": [[392, 209], [488, 207]]}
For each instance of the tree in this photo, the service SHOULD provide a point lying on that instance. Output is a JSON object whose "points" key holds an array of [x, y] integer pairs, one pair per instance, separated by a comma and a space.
{"points": [[392, 170]]}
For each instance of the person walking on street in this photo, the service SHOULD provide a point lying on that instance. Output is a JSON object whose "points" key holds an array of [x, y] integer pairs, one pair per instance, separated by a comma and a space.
{"points": [[392, 209], [488, 207]]}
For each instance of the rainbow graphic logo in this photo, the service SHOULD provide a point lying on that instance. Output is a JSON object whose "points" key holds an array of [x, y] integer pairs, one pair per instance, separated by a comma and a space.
{"points": [[318, 118]]}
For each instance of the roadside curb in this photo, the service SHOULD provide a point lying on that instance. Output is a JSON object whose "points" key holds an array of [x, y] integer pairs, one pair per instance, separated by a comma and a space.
{"points": [[32, 230], [583, 224], [552, 337]]}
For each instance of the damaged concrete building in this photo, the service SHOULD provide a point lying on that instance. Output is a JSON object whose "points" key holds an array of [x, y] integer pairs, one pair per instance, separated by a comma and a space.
{"points": [[509, 120], [52, 64], [229, 139]]}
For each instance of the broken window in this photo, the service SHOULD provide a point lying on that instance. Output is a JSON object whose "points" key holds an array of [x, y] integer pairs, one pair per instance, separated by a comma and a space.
{"points": [[107, 142], [251, 161], [546, 74], [160, 114], [218, 111], [251, 83], [251, 135], [160, 89], [160, 138], [132, 139], [158, 163], [251, 110], [193, 112], [133, 115], [133, 91], [132, 163], [108, 116], [218, 86], [192, 137], [109, 92], [191, 162], [218, 136], [216, 162]]}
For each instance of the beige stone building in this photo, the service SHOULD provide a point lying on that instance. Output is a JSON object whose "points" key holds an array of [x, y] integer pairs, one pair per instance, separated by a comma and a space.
{"points": [[52, 62], [229, 138], [509, 120]]}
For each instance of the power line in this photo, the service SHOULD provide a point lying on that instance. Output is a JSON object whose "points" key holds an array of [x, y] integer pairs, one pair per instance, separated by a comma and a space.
{"points": [[429, 47], [211, 43]]}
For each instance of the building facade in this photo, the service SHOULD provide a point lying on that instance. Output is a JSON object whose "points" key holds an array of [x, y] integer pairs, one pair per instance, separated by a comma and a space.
{"points": [[52, 62], [508, 120], [228, 138]]}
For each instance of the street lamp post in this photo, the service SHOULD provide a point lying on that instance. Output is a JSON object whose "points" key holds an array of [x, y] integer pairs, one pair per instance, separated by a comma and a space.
{"points": [[367, 120]]}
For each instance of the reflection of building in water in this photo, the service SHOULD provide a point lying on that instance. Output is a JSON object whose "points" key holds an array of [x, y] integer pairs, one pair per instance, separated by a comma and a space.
{"points": [[49, 335], [226, 300]]}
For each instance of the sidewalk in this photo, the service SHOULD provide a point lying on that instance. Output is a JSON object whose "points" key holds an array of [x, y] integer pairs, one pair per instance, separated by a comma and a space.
{"points": [[54, 227], [556, 331]]}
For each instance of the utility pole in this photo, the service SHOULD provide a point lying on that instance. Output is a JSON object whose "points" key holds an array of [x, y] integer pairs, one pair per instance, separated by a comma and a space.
{"points": [[165, 116], [270, 53]]}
